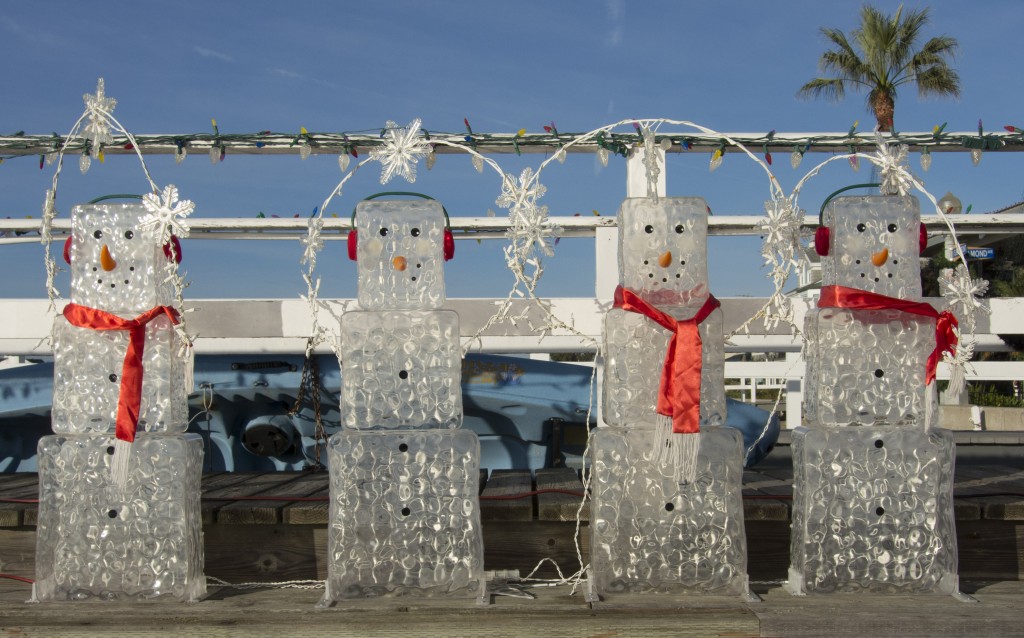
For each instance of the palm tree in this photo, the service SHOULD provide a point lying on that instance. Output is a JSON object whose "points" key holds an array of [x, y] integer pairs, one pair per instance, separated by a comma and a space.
{"points": [[886, 57]]}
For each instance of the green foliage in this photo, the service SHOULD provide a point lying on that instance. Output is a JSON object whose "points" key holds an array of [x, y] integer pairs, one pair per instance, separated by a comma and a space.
{"points": [[998, 395], [881, 55], [572, 356]]}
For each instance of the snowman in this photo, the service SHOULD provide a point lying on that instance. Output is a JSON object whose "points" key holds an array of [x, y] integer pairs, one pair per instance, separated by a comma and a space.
{"points": [[872, 477], [667, 513], [404, 514], [119, 482]]}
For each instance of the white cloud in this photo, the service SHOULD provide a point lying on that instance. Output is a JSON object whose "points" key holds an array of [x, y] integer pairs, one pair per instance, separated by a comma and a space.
{"points": [[294, 75], [210, 53], [614, 10]]}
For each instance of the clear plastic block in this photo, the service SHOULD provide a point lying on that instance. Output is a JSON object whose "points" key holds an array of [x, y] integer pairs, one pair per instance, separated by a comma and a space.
{"points": [[95, 541], [634, 352], [87, 379], [117, 265], [867, 367], [400, 254], [873, 511], [404, 515], [875, 245], [663, 250], [401, 369], [651, 533]]}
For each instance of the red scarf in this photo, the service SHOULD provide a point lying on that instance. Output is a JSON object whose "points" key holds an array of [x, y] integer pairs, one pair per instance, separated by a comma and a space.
{"points": [[854, 299], [679, 392], [130, 397]]}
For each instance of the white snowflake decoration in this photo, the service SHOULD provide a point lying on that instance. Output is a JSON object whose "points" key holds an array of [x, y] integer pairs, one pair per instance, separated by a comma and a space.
{"points": [[896, 177], [528, 222], [781, 251], [963, 296], [99, 108], [402, 149], [167, 214], [652, 167]]}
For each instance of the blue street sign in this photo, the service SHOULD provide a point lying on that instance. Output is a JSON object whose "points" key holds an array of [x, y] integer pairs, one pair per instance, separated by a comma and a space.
{"points": [[980, 253]]}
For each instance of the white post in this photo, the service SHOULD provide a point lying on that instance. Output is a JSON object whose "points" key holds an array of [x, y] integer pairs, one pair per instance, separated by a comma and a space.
{"points": [[794, 394]]}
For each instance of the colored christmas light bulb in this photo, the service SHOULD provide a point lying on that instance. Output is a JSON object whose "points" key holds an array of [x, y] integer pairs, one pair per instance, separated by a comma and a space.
{"points": [[716, 160]]}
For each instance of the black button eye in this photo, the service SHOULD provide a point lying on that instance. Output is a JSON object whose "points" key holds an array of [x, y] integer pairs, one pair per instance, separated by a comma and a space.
{"points": [[128, 234], [680, 228], [415, 232], [383, 232], [648, 229], [861, 228], [97, 234], [892, 228]]}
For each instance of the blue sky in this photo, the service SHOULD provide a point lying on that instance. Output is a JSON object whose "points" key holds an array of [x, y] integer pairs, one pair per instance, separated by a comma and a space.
{"points": [[342, 66]]}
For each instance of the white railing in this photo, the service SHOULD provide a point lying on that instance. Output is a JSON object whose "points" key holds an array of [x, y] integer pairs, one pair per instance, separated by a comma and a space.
{"points": [[283, 325]]}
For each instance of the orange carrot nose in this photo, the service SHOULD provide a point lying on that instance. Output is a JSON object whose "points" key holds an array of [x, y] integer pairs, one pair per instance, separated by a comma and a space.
{"points": [[880, 257], [665, 259], [399, 263], [106, 260]]}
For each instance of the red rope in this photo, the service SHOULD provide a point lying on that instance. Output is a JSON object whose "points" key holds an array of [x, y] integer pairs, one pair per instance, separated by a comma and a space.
{"points": [[21, 578]]}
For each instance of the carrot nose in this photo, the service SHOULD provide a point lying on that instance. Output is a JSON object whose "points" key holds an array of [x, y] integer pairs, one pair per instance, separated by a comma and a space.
{"points": [[665, 259], [399, 263], [106, 260], [880, 257]]}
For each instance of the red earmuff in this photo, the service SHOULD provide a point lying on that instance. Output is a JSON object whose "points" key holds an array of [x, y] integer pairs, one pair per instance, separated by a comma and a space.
{"points": [[923, 241], [353, 239], [449, 244], [67, 250], [822, 238], [177, 249]]}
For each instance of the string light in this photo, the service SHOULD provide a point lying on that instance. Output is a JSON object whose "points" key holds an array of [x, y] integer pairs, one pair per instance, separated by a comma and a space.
{"points": [[431, 157], [976, 156], [85, 161], [767, 153], [796, 157], [665, 144], [180, 152], [305, 148], [343, 162], [215, 154], [716, 158], [854, 160], [478, 163], [602, 156], [926, 159]]}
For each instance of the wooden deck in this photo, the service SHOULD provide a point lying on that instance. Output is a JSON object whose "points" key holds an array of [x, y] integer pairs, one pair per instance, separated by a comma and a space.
{"points": [[271, 527]]}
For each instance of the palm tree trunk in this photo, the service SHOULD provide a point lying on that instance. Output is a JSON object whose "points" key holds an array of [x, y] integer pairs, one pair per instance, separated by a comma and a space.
{"points": [[884, 108]]}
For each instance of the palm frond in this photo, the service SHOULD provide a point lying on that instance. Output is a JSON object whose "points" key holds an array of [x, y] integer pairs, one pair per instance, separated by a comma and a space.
{"points": [[938, 81], [832, 89]]}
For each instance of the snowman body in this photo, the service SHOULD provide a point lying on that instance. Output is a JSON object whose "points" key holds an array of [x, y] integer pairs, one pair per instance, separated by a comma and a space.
{"points": [[649, 531], [872, 506], [404, 513], [96, 538]]}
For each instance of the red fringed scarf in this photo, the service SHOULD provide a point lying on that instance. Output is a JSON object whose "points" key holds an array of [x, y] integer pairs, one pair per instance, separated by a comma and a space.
{"points": [[130, 397], [679, 391], [854, 299]]}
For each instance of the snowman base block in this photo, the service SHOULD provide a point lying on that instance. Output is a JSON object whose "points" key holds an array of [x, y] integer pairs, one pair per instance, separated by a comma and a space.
{"points": [[873, 511], [650, 533], [95, 541], [404, 515]]}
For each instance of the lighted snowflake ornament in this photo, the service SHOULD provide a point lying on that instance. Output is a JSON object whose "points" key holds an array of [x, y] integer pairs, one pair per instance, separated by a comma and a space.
{"points": [[896, 177], [167, 213], [402, 149], [313, 242], [99, 108], [528, 221]]}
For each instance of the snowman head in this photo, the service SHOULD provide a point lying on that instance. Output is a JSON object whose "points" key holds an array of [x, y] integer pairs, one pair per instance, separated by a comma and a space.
{"points": [[117, 265], [873, 244], [400, 254], [663, 249]]}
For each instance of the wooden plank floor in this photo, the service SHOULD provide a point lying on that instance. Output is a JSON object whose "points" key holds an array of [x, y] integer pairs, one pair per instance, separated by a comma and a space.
{"points": [[271, 527], [553, 612]]}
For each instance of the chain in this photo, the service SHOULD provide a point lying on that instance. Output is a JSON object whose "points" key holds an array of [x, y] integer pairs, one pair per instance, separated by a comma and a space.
{"points": [[310, 384]]}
